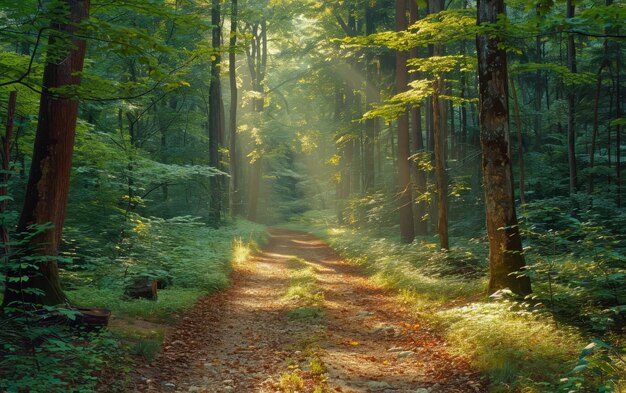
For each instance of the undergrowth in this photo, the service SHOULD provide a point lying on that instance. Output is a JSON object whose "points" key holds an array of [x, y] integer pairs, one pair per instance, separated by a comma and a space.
{"points": [[188, 259]]}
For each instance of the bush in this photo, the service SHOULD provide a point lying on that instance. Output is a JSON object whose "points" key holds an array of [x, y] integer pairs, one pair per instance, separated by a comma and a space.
{"points": [[41, 358]]}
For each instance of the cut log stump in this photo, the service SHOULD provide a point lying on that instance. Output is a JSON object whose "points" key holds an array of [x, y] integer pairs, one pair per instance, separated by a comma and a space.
{"points": [[92, 318], [141, 287]]}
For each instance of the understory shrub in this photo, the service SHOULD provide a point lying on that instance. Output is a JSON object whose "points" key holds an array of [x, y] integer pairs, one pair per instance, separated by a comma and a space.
{"points": [[40, 358]]}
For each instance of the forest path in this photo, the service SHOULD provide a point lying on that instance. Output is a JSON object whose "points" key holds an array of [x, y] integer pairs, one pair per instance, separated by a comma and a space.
{"points": [[297, 318]]}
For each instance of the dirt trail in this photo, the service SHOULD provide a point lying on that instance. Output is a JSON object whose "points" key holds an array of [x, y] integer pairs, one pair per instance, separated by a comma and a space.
{"points": [[248, 338]]}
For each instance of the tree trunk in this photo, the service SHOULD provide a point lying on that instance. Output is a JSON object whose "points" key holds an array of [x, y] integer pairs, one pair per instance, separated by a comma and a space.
{"points": [[440, 171], [407, 232], [255, 189], [539, 86], [258, 66], [4, 176], [520, 145], [371, 96], [618, 134], [594, 132], [215, 120], [48, 182], [505, 245], [571, 108], [232, 71], [421, 225]]}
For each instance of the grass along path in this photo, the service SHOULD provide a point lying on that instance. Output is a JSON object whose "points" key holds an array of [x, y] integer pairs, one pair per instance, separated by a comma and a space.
{"points": [[298, 319]]}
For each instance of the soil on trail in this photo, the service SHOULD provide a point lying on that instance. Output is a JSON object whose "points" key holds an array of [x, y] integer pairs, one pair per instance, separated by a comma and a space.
{"points": [[254, 337]]}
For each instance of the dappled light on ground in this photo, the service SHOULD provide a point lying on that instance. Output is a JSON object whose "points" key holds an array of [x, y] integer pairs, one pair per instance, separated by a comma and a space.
{"points": [[298, 318]]}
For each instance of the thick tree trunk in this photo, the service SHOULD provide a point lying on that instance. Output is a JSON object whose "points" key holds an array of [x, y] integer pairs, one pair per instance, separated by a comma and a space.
{"points": [[505, 245], [232, 71], [215, 120], [48, 183], [407, 232]]}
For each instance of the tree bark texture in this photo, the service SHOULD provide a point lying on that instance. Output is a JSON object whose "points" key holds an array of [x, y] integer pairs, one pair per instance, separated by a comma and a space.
{"points": [[505, 246], [48, 182], [405, 200]]}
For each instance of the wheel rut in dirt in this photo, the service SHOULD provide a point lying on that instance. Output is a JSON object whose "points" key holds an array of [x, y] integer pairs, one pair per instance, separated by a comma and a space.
{"points": [[297, 318]]}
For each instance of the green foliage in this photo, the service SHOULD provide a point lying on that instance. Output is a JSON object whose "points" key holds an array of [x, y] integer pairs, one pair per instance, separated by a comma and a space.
{"points": [[569, 78], [40, 358], [600, 365], [435, 28], [582, 285]]}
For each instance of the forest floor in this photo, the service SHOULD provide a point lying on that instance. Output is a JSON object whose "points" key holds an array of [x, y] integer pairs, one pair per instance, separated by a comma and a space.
{"points": [[278, 330]]}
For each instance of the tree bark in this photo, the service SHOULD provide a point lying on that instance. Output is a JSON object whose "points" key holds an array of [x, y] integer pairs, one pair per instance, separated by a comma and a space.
{"points": [[421, 225], [232, 71], [407, 232], [48, 182], [371, 96], [440, 171], [505, 246], [215, 119]]}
